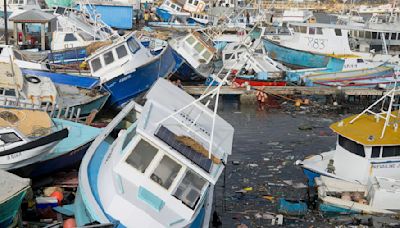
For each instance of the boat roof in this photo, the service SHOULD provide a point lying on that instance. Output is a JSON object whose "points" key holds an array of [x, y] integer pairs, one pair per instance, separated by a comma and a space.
{"points": [[161, 102], [11, 185], [367, 131], [26, 121], [7, 80], [342, 27]]}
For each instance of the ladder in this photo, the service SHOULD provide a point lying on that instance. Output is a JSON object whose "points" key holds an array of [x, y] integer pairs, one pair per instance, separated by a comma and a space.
{"points": [[384, 45]]}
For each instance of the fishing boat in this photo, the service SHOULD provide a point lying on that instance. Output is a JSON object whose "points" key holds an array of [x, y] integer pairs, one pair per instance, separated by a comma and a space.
{"points": [[368, 77], [367, 146], [193, 55], [12, 192], [162, 169], [379, 196], [26, 137], [66, 154], [41, 93]]}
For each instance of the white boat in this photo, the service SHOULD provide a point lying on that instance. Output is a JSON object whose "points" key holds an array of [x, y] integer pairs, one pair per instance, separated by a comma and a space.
{"points": [[379, 196], [162, 169], [26, 136], [387, 8], [367, 146], [294, 15]]}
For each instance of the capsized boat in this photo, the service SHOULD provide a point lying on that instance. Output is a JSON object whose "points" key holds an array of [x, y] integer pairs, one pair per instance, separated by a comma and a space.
{"points": [[68, 153], [367, 146], [379, 196], [12, 191], [161, 170], [26, 137]]}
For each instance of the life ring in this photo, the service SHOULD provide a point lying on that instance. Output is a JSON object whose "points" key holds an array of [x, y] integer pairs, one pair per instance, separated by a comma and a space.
{"points": [[33, 79]]}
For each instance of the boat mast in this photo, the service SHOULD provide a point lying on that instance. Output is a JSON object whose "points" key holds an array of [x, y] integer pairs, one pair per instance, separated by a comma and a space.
{"points": [[6, 23]]}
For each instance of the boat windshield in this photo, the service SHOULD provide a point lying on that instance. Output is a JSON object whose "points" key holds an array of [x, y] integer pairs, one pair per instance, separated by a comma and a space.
{"points": [[133, 45], [351, 146]]}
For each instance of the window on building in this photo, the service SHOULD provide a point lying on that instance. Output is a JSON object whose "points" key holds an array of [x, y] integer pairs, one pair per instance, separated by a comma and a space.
{"points": [[121, 51], [108, 58], [69, 37], [338, 32], [351, 146], [96, 64], [376, 152], [189, 190], [166, 172], [391, 151], [142, 155]]}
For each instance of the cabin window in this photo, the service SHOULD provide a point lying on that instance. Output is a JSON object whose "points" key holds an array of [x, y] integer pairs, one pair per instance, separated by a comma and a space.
{"points": [[228, 56], [368, 35], [85, 36], [96, 64], [9, 137], [398, 36], [374, 35], [338, 32], [393, 37], [70, 37], [360, 61], [311, 30], [378, 36], [362, 34], [351, 146], [190, 40], [1, 91], [391, 151], [189, 190], [10, 92], [166, 172], [108, 57], [206, 55], [133, 45], [142, 155], [17, 55], [303, 29], [376, 152], [121, 51], [387, 35], [199, 47], [196, 2], [31, 2]]}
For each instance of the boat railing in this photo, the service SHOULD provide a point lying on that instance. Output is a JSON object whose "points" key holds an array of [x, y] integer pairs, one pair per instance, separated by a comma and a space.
{"points": [[54, 110]]}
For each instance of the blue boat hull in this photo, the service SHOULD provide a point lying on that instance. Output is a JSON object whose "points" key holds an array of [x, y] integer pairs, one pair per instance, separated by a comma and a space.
{"points": [[164, 15], [126, 87], [295, 58]]}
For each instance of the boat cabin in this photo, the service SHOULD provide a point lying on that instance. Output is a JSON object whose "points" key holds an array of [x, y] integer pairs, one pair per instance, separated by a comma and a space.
{"points": [[23, 4], [362, 152], [121, 57], [201, 18], [194, 49], [196, 6], [166, 163], [318, 38], [171, 6]]}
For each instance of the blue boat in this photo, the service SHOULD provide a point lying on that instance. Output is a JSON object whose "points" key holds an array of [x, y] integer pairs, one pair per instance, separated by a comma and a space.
{"points": [[295, 58], [12, 192], [126, 68], [68, 153], [68, 56], [148, 176]]}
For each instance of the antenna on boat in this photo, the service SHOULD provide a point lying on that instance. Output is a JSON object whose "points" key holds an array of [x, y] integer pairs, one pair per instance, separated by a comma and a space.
{"points": [[383, 114]]}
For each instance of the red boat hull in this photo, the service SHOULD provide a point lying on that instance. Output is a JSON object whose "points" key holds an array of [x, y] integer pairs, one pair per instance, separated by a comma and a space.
{"points": [[251, 82]]}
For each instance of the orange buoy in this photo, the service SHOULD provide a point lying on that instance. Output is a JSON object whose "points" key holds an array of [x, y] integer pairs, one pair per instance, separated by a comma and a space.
{"points": [[58, 195], [69, 223]]}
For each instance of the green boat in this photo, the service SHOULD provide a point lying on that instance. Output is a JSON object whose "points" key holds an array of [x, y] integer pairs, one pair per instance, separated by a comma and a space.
{"points": [[12, 191]]}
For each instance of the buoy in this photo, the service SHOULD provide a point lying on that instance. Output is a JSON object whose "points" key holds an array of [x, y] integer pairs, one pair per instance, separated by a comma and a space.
{"points": [[297, 103], [69, 223], [58, 195]]}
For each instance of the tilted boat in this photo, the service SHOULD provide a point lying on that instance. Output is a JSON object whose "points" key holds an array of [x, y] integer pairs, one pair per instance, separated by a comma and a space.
{"points": [[161, 170], [26, 137], [41, 93], [12, 192], [379, 196], [367, 146]]}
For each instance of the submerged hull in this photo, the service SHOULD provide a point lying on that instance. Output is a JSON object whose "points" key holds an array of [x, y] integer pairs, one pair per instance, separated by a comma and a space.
{"points": [[295, 58], [126, 87]]}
